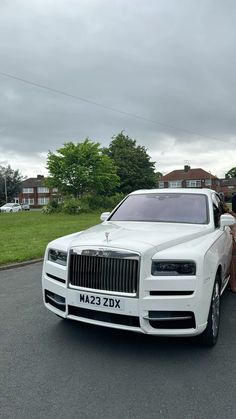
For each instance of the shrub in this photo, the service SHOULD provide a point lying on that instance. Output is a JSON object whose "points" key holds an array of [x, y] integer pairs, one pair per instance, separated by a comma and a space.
{"points": [[85, 204], [52, 207], [100, 202], [71, 206]]}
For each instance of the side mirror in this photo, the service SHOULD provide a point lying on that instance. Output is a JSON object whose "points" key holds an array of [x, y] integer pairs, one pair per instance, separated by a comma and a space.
{"points": [[226, 220], [104, 216]]}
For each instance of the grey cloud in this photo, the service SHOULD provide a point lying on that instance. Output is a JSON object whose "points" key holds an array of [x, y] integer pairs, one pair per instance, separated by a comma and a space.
{"points": [[172, 63]]}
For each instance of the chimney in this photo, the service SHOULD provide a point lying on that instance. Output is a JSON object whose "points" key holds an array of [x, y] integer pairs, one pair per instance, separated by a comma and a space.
{"points": [[40, 177], [186, 168]]}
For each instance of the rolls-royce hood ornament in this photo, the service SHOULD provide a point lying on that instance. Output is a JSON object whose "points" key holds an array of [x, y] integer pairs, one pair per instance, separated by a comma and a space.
{"points": [[107, 236]]}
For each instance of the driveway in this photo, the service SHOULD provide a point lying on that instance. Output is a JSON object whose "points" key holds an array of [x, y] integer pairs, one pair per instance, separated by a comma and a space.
{"points": [[61, 369]]}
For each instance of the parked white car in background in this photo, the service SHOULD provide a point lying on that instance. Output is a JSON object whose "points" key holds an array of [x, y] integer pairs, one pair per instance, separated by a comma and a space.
{"points": [[11, 207], [157, 264], [25, 207]]}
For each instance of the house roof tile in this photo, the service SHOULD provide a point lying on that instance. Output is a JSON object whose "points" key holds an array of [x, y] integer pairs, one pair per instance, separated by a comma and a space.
{"points": [[33, 182], [228, 182], [191, 174]]}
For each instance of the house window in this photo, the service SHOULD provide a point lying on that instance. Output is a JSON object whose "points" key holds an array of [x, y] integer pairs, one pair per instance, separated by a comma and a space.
{"points": [[193, 183], [43, 190], [208, 182], [161, 185], [29, 201], [43, 201], [28, 190], [54, 189], [175, 184]]}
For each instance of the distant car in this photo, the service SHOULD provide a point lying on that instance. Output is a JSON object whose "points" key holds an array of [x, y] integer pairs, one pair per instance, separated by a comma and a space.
{"points": [[25, 207], [11, 207]]}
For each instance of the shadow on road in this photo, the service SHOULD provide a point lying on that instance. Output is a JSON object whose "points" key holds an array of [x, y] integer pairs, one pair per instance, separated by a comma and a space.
{"points": [[89, 336]]}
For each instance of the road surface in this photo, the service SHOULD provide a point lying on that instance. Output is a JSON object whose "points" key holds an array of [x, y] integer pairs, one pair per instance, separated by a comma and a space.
{"points": [[62, 369]]}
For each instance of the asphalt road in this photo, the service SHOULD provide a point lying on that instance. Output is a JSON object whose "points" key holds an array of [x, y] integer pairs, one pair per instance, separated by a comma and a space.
{"points": [[61, 369]]}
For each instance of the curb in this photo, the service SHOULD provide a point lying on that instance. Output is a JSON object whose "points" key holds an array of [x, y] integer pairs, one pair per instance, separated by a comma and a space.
{"points": [[20, 264]]}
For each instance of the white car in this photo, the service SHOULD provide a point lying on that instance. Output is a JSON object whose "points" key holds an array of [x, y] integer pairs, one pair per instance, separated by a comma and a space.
{"points": [[11, 207], [157, 264], [25, 207]]}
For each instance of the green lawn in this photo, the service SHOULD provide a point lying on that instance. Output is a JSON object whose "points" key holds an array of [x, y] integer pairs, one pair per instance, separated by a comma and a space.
{"points": [[24, 236]]}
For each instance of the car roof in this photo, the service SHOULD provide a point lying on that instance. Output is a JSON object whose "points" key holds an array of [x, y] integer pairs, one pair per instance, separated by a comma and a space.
{"points": [[197, 191]]}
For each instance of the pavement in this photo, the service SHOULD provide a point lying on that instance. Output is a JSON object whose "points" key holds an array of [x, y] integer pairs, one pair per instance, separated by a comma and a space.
{"points": [[20, 264]]}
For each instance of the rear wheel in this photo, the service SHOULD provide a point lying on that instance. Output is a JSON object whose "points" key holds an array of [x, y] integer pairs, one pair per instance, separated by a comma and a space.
{"points": [[210, 335]]}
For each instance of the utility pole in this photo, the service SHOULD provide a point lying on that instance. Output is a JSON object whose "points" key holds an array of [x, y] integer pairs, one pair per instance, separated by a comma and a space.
{"points": [[5, 177], [6, 186]]}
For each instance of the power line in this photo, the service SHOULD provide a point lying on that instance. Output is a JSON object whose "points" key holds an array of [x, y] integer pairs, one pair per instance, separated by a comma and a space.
{"points": [[91, 102]]}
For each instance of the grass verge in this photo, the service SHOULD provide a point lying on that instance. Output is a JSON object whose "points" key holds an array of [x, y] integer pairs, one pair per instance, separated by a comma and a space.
{"points": [[24, 236]]}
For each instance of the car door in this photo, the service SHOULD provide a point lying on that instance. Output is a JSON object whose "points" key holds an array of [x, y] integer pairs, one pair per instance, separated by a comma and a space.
{"points": [[15, 207], [224, 243]]}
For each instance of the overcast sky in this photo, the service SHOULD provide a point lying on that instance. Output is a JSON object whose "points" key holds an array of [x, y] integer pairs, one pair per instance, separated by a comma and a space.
{"points": [[171, 62]]}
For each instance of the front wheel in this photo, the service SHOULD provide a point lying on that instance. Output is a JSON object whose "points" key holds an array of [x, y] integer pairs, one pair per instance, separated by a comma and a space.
{"points": [[210, 335]]}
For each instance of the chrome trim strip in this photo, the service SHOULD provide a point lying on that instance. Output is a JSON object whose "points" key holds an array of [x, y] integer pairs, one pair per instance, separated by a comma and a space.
{"points": [[161, 319], [96, 291], [107, 252], [55, 301]]}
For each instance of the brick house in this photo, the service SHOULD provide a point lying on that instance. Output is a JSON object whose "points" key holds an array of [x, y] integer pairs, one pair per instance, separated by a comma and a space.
{"points": [[189, 178], [228, 187], [35, 193]]}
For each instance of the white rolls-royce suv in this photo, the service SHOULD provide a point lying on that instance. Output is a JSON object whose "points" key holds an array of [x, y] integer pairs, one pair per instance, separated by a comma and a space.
{"points": [[157, 264]]}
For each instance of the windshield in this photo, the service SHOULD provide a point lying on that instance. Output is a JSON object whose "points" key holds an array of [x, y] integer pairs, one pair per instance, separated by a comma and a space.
{"points": [[164, 207]]}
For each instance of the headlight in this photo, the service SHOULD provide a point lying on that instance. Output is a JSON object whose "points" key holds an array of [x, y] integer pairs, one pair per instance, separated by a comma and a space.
{"points": [[57, 256], [172, 268]]}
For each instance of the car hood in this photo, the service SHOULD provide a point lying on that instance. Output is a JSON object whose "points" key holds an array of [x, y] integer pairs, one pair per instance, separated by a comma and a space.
{"points": [[136, 236]]}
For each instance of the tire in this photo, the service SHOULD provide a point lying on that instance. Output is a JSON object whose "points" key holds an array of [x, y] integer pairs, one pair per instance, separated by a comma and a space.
{"points": [[210, 335]]}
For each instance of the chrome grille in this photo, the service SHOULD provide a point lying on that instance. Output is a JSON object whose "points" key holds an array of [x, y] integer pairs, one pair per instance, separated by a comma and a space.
{"points": [[104, 273]]}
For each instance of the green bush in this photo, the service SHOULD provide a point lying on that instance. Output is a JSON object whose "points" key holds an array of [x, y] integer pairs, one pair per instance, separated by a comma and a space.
{"points": [[86, 204], [52, 207], [71, 206]]}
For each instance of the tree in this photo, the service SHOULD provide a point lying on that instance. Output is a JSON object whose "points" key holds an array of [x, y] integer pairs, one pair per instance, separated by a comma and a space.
{"points": [[10, 182], [81, 168], [134, 167], [158, 176], [231, 173]]}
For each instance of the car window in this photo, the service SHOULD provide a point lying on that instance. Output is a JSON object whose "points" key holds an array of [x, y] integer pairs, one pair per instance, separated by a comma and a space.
{"points": [[217, 210], [165, 207]]}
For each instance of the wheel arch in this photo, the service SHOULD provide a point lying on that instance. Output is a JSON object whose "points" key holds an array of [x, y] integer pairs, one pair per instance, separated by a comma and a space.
{"points": [[219, 274]]}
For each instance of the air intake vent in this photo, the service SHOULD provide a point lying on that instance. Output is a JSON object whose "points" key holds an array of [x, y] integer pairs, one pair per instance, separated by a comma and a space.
{"points": [[104, 317]]}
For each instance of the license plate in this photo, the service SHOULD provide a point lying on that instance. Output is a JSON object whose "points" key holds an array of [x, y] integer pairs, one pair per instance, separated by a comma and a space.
{"points": [[101, 301]]}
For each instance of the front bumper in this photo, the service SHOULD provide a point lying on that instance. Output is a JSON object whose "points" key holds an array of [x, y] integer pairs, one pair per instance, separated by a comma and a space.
{"points": [[164, 307]]}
